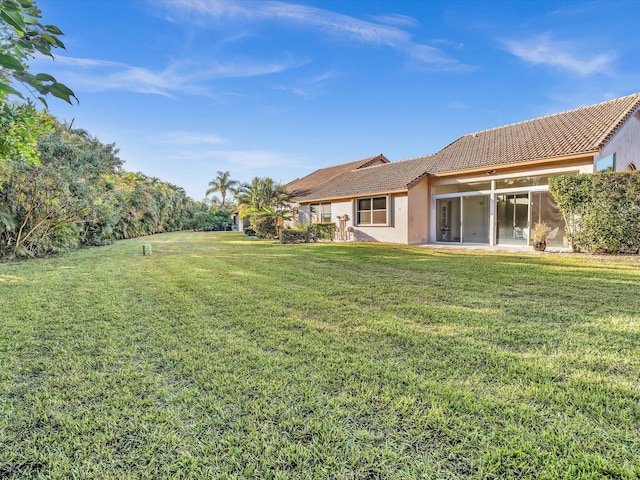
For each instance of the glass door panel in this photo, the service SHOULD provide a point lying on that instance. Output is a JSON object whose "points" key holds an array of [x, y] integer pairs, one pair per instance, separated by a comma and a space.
{"points": [[512, 215], [544, 209], [448, 220], [475, 219]]}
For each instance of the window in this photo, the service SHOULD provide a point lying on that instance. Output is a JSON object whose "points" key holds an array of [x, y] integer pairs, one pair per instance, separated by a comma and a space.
{"points": [[320, 212], [371, 211], [606, 164]]}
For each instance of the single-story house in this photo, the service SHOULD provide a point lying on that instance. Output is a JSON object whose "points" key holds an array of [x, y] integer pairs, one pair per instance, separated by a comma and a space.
{"points": [[487, 188]]}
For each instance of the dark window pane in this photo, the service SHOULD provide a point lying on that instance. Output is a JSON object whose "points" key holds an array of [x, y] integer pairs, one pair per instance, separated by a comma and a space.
{"points": [[380, 203], [364, 204]]}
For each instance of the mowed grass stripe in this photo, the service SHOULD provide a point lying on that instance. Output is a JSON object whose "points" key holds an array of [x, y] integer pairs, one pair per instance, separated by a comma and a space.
{"points": [[226, 357]]}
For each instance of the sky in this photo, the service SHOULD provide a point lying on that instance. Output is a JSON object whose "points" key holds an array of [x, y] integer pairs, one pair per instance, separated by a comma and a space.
{"points": [[186, 88]]}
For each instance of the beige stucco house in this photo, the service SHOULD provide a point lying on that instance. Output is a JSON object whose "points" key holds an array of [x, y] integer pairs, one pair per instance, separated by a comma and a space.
{"points": [[486, 188]]}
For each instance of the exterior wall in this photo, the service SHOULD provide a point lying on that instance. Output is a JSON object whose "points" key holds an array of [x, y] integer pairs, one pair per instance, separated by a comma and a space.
{"points": [[341, 208], [625, 144], [419, 213], [396, 232]]}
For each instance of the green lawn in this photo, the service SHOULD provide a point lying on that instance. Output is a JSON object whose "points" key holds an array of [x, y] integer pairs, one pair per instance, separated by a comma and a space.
{"points": [[226, 357]]}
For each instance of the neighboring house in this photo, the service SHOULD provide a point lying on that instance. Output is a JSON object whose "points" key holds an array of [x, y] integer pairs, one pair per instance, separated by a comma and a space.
{"points": [[239, 224], [487, 188]]}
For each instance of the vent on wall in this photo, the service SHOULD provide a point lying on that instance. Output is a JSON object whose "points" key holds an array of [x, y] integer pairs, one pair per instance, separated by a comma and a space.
{"points": [[632, 167]]}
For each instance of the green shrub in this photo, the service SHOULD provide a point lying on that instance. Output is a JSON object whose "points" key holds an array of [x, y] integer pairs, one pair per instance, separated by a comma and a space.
{"points": [[265, 227], [601, 210], [324, 231], [294, 236], [250, 232], [212, 220], [309, 232]]}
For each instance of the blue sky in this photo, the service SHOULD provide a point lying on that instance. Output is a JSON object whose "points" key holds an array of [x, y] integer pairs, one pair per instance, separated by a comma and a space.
{"points": [[280, 88]]}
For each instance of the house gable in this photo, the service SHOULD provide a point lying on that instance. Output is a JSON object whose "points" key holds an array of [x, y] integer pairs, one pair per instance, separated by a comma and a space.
{"points": [[624, 144], [306, 186]]}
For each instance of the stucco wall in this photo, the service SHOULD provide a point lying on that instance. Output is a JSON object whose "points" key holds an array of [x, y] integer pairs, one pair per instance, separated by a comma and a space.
{"points": [[418, 214], [339, 209], [625, 144], [395, 233]]}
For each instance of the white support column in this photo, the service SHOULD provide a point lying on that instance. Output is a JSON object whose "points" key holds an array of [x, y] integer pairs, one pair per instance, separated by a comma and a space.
{"points": [[492, 214]]}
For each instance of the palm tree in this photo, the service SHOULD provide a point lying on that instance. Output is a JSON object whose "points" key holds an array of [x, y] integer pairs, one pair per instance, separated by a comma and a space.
{"points": [[262, 195], [264, 200], [222, 183]]}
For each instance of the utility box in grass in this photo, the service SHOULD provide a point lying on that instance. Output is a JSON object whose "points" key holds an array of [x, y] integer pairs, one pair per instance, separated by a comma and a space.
{"points": [[146, 249]]}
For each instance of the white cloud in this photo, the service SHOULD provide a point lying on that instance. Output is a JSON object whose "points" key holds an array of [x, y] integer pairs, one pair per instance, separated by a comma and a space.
{"points": [[458, 105], [252, 159], [396, 19], [236, 160], [310, 87], [434, 57], [187, 138], [328, 22], [543, 50], [101, 75]]}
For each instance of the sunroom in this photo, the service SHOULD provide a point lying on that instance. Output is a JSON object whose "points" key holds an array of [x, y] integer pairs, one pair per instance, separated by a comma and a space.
{"points": [[498, 208]]}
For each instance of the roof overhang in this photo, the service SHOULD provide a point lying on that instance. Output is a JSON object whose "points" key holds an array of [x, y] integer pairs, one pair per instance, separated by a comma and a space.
{"points": [[356, 195], [510, 166]]}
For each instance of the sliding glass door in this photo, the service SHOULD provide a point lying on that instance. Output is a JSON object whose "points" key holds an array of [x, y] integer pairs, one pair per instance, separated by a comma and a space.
{"points": [[448, 219], [544, 209], [463, 219], [512, 219]]}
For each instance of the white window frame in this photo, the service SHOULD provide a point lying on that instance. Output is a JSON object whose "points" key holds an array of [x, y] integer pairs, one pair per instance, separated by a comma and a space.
{"points": [[356, 209], [320, 213]]}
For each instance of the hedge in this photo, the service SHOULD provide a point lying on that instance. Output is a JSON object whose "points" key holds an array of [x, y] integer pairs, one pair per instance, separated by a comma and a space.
{"points": [[265, 227], [294, 236], [211, 221], [310, 232], [324, 231], [601, 210]]}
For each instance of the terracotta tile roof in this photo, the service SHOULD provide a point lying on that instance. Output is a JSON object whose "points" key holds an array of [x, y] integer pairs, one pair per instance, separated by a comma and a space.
{"points": [[574, 132], [381, 178], [302, 187], [580, 131]]}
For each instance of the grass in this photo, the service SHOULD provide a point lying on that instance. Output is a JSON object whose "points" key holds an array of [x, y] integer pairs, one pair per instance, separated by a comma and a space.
{"points": [[225, 357]]}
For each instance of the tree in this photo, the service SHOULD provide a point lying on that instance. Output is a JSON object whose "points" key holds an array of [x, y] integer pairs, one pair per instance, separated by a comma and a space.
{"points": [[54, 202], [222, 183], [260, 195], [21, 36], [265, 202]]}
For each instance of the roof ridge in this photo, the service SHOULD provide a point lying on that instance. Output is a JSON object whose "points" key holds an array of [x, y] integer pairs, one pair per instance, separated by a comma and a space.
{"points": [[419, 157], [368, 160], [549, 116]]}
